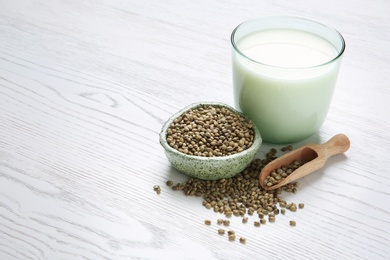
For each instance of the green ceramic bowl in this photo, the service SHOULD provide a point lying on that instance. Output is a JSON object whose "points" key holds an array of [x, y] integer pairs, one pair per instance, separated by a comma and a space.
{"points": [[208, 168]]}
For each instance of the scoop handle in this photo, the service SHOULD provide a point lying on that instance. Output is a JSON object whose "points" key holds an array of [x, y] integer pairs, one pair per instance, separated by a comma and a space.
{"points": [[337, 144]]}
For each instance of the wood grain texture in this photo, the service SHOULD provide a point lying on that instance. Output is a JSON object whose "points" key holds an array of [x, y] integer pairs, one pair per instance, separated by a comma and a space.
{"points": [[85, 87]]}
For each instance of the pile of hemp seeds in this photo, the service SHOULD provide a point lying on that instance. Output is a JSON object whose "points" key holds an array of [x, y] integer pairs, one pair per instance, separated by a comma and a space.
{"points": [[210, 131], [241, 196]]}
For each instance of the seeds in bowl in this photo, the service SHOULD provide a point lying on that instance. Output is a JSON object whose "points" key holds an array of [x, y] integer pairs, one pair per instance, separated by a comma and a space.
{"points": [[210, 131]]}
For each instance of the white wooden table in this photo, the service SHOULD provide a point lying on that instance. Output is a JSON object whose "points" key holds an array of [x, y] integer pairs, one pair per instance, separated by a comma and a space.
{"points": [[85, 87]]}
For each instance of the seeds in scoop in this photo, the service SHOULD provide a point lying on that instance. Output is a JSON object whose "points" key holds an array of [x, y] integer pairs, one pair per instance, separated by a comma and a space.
{"points": [[207, 222], [281, 173], [293, 223], [210, 131]]}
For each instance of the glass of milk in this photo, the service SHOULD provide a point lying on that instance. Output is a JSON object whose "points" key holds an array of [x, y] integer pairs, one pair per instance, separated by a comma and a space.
{"points": [[284, 73]]}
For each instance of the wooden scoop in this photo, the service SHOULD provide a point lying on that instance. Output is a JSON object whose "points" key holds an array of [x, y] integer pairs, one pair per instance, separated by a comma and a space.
{"points": [[315, 156]]}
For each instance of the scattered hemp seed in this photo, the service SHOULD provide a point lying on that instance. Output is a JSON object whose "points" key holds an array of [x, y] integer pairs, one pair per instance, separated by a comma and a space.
{"points": [[287, 148], [207, 222], [210, 131], [232, 237], [257, 224], [241, 194], [293, 223], [228, 214], [221, 231], [301, 205], [293, 207], [242, 240], [231, 232], [157, 189], [169, 183]]}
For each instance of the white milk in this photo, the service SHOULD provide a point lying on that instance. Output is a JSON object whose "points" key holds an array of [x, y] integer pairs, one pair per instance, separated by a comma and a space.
{"points": [[286, 85]]}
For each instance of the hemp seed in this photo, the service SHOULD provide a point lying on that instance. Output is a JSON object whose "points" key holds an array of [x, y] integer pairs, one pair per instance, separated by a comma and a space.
{"points": [[232, 237], [221, 231], [157, 189]]}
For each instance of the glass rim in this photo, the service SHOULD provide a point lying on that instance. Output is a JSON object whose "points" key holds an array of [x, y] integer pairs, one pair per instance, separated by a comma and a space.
{"points": [[237, 49]]}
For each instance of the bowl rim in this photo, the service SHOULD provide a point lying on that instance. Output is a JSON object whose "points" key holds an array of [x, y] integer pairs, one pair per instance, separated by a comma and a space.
{"points": [[255, 145]]}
